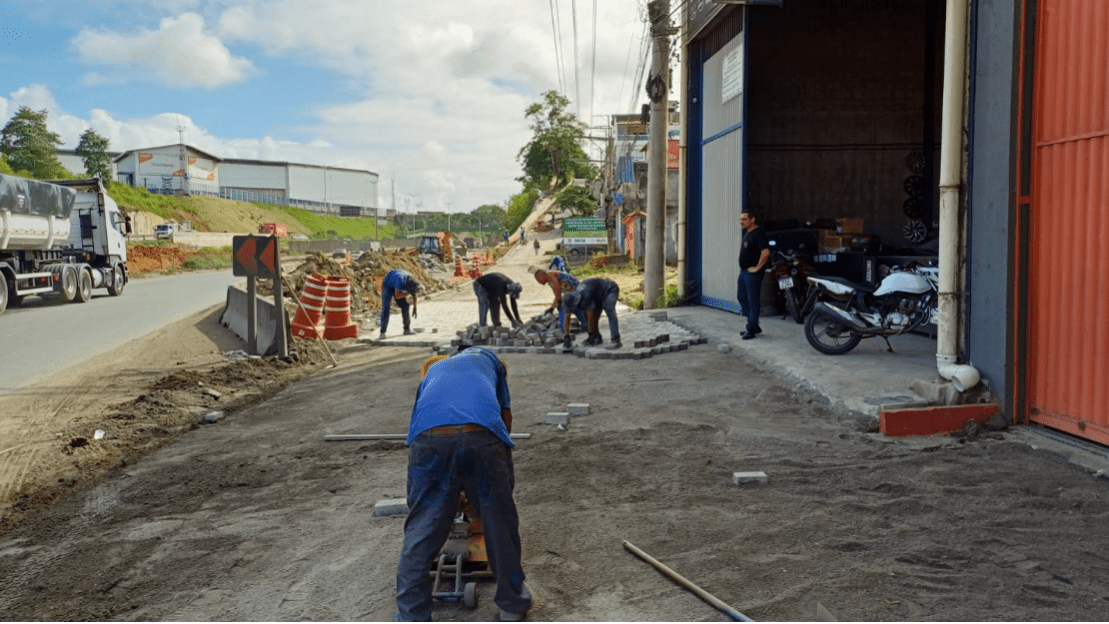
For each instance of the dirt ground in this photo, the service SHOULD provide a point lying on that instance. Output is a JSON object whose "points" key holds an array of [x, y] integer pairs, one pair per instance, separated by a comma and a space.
{"points": [[257, 517]]}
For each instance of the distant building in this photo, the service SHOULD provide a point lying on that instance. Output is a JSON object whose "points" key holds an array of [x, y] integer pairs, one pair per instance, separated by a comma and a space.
{"points": [[76, 165], [183, 169]]}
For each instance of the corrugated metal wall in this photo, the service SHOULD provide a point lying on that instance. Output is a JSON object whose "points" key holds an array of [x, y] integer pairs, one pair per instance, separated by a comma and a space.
{"points": [[1068, 264], [722, 149]]}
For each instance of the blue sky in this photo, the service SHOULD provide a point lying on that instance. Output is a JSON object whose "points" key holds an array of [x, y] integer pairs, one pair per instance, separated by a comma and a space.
{"points": [[428, 94]]}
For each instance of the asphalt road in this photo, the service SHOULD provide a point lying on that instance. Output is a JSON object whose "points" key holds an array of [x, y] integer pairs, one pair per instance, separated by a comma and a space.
{"points": [[44, 336]]}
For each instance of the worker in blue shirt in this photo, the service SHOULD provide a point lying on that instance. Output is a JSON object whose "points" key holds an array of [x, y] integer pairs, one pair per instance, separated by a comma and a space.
{"points": [[593, 296], [558, 264], [398, 284], [560, 283], [459, 441]]}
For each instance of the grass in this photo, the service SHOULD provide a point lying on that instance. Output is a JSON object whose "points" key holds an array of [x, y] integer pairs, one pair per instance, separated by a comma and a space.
{"points": [[328, 227], [165, 206]]}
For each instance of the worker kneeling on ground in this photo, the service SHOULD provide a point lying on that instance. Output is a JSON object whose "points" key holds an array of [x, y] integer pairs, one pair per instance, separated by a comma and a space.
{"points": [[398, 284], [560, 282], [493, 291], [459, 441], [592, 296]]}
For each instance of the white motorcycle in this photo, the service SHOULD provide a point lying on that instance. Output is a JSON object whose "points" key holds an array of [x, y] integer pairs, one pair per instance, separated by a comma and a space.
{"points": [[848, 312]]}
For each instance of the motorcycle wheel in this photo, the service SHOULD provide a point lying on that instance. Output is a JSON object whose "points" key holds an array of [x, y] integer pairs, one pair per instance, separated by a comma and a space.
{"points": [[829, 336], [793, 307]]}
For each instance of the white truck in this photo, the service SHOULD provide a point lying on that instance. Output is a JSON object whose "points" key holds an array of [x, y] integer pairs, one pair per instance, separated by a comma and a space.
{"points": [[62, 237]]}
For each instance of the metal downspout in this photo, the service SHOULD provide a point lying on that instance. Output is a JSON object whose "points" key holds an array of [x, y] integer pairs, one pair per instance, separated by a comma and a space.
{"points": [[684, 119], [962, 376]]}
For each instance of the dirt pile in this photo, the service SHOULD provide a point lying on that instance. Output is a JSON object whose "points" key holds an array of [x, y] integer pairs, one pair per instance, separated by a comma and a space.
{"points": [[365, 275], [153, 258]]}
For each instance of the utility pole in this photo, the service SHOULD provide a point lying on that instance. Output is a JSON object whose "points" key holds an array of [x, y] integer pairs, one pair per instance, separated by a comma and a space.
{"points": [[654, 264]]}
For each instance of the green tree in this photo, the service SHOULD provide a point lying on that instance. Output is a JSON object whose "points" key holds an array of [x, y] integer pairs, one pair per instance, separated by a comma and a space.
{"points": [[488, 218], [554, 155], [93, 150], [30, 147], [578, 199], [5, 168], [519, 207]]}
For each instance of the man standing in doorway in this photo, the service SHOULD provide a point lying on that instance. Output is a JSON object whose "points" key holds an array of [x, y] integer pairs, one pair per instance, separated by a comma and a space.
{"points": [[754, 252]]}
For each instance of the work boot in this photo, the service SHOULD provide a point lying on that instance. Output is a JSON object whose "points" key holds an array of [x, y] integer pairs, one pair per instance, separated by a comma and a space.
{"points": [[381, 336], [594, 339], [616, 344], [408, 332]]}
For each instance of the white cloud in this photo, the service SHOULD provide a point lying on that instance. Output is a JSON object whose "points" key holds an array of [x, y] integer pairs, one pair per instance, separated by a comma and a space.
{"points": [[180, 53], [35, 97]]}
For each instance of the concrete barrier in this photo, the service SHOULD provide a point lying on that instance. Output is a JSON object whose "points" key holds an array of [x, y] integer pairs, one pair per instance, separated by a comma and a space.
{"points": [[234, 317], [205, 239]]}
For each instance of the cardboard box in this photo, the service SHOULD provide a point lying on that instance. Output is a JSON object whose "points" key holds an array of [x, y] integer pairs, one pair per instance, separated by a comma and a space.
{"points": [[849, 226], [831, 241]]}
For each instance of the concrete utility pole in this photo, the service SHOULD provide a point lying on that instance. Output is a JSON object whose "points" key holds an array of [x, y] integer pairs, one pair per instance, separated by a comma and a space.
{"points": [[654, 263]]}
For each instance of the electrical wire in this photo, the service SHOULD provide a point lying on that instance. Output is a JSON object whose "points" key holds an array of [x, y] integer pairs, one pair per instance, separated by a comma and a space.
{"points": [[577, 79], [593, 73], [557, 44]]}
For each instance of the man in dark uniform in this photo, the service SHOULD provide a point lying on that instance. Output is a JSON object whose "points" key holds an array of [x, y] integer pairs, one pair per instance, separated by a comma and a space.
{"points": [[493, 292], [754, 252], [558, 280], [592, 296], [398, 284], [459, 441]]}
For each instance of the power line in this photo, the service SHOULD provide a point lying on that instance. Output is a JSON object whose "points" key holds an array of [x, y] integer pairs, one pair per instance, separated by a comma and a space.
{"points": [[577, 80], [557, 44], [593, 73]]}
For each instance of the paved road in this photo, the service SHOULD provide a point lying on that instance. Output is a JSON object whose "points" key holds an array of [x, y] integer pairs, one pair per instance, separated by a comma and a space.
{"points": [[44, 336]]}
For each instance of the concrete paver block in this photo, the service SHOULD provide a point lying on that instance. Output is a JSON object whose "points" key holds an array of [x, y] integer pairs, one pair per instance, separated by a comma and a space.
{"points": [[578, 409], [390, 507], [742, 478], [557, 418]]}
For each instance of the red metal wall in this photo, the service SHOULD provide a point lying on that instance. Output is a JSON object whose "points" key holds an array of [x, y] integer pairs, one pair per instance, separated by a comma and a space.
{"points": [[1067, 337]]}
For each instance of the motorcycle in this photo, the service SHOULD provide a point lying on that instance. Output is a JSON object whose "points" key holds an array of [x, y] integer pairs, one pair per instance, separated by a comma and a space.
{"points": [[847, 312], [791, 271]]}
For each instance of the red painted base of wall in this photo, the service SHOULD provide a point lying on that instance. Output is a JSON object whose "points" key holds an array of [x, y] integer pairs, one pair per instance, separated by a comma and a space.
{"points": [[932, 420]]}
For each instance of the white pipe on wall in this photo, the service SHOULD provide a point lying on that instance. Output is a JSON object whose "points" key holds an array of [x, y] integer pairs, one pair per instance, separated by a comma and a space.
{"points": [[962, 376]]}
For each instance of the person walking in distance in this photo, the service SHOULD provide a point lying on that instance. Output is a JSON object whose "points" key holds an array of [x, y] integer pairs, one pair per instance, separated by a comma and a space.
{"points": [[754, 252], [493, 292], [459, 441], [398, 284]]}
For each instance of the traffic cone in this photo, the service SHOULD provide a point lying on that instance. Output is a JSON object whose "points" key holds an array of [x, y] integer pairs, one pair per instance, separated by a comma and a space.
{"points": [[458, 267], [337, 323], [306, 323]]}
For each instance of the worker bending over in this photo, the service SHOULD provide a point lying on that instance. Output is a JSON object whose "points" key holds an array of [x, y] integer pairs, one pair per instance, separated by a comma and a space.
{"points": [[592, 296], [560, 283], [398, 284], [493, 292], [459, 440]]}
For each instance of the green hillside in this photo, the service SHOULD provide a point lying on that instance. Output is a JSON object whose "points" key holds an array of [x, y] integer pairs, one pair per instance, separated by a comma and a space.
{"points": [[212, 214]]}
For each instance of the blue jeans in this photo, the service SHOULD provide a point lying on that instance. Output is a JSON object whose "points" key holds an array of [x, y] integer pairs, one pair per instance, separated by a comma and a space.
{"points": [[749, 295], [387, 293], [483, 307], [440, 467]]}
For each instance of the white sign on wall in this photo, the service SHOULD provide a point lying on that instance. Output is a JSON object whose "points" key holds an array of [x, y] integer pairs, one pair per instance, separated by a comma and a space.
{"points": [[731, 84]]}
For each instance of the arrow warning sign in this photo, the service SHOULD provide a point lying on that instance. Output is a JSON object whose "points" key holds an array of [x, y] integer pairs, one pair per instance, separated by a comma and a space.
{"points": [[254, 256]]}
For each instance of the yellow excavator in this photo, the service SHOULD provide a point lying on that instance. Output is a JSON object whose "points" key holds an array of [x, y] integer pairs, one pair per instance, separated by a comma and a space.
{"points": [[443, 245]]}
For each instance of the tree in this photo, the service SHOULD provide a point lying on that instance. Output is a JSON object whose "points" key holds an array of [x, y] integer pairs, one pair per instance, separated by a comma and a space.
{"points": [[519, 207], [488, 218], [554, 154], [30, 147], [93, 150], [578, 199]]}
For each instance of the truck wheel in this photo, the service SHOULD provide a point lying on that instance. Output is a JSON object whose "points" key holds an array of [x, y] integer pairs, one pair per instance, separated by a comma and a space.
{"points": [[84, 286], [69, 283], [3, 293], [115, 287]]}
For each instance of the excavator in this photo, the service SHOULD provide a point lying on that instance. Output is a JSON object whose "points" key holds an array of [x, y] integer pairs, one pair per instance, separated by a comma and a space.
{"points": [[442, 245]]}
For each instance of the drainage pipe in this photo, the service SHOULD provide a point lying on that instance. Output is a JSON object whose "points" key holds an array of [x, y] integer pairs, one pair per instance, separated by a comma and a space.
{"points": [[962, 376]]}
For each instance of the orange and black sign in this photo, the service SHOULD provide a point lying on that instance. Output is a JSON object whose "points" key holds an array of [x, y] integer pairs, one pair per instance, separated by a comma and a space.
{"points": [[254, 256]]}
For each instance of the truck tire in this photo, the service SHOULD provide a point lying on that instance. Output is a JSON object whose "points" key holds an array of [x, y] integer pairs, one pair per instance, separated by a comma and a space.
{"points": [[84, 286], [3, 293], [69, 284], [115, 286]]}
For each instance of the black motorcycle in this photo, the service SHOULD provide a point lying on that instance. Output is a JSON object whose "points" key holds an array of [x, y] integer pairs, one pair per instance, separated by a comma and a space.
{"points": [[792, 271]]}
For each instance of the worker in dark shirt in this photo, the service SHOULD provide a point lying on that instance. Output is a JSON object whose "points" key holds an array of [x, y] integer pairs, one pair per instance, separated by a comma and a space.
{"points": [[459, 440], [557, 280], [754, 253], [592, 296], [398, 284], [493, 292]]}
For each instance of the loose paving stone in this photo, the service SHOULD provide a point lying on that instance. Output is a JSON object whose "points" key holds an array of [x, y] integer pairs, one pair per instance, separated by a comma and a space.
{"points": [[743, 478], [390, 507], [557, 418]]}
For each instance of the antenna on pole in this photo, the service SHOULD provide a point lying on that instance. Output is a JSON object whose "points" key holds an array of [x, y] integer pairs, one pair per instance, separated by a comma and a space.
{"points": [[184, 157]]}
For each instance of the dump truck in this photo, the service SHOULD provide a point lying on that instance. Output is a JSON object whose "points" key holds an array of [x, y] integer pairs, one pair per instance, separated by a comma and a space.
{"points": [[60, 238], [277, 229]]}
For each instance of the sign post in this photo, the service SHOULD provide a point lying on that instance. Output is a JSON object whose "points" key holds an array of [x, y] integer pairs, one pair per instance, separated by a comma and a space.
{"points": [[256, 257]]}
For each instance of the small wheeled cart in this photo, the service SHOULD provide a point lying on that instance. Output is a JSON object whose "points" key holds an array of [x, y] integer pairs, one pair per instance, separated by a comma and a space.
{"points": [[461, 562]]}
